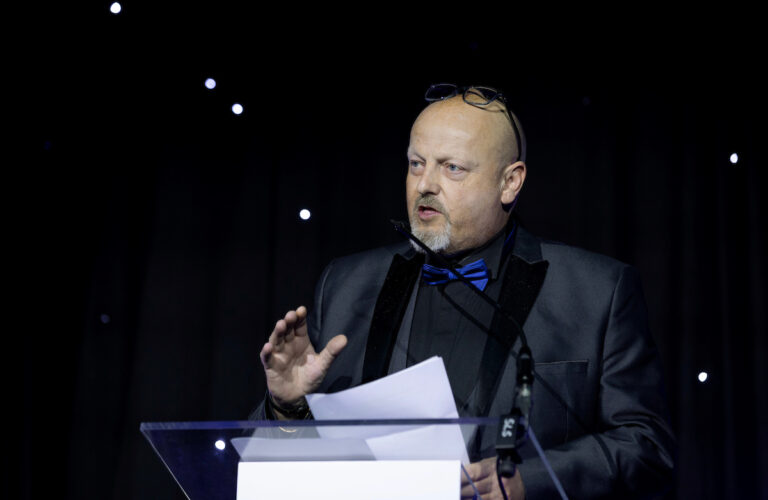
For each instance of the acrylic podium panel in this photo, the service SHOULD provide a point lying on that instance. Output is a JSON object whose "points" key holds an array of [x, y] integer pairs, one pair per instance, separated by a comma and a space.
{"points": [[204, 457]]}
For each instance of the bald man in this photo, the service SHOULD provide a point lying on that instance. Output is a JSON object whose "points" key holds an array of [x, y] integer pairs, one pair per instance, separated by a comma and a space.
{"points": [[380, 311]]}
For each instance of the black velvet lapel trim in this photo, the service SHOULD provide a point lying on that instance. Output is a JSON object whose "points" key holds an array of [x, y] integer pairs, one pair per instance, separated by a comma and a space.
{"points": [[521, 286], [388, 314]]}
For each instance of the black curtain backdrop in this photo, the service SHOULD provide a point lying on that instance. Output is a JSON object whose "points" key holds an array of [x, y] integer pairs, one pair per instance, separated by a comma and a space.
{"points": [[160, 238]]}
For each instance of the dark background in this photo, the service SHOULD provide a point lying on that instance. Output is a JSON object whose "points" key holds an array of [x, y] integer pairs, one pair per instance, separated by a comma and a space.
{"points": [[159, 236]]}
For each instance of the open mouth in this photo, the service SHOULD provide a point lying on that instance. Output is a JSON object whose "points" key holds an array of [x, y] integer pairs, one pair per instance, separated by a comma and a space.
{"points": [[426, 212]]}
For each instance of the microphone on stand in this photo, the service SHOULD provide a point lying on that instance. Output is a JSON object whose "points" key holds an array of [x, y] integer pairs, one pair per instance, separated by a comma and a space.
{"points": [[513, 427]]}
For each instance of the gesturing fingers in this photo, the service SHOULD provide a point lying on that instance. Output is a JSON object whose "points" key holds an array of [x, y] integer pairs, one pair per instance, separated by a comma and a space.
{"points": [[266, 355], [277, 337], [332, 349], [301, 316], [293, 324], [297, 321]]}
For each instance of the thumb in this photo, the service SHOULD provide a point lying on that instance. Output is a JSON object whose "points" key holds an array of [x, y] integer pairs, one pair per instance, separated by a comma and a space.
{"points": [[332, 349]]}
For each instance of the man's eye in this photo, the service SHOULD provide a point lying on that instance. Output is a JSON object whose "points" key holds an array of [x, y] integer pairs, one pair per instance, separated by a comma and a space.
{"points": [[453, 167], [414, 164]]}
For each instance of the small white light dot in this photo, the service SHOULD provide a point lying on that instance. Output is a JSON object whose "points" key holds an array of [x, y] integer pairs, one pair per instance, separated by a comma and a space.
{"points": [[115, 8], [237, 108], [734, 158], [220, 444], [305, 214], [703, 376], [210, 83]]}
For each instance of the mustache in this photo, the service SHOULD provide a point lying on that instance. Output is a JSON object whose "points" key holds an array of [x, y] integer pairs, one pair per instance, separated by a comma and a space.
{"points": [[431, 201]]}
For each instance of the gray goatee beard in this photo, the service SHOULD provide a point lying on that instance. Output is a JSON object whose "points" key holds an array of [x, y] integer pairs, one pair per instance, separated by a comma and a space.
{"points": [[437, 241]]}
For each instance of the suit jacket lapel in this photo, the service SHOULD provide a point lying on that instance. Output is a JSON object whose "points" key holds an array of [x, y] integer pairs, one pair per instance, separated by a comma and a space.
{"points": [[388, 313], [523, 280]]}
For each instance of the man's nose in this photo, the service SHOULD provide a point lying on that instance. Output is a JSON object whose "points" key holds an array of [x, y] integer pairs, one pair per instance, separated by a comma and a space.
{"points": [[429, 182]]}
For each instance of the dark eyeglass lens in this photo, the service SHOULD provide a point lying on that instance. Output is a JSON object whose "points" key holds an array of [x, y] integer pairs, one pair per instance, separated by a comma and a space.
{"points": [[480, 96], [440, 91]]}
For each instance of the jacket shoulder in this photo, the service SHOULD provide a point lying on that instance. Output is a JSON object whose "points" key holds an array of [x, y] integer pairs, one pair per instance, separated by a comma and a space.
{"points": [[557, 250], [573, 268]]}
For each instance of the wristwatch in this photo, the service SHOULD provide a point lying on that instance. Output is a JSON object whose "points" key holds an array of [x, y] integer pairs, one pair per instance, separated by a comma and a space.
{"points": [[297, 411]]}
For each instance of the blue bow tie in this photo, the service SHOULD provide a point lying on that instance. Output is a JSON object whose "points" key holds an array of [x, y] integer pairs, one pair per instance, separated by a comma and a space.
{"points": [[477, 272]]}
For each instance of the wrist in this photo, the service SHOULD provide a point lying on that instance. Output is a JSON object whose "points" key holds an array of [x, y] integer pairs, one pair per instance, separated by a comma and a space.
{"points": [[296, 410]]}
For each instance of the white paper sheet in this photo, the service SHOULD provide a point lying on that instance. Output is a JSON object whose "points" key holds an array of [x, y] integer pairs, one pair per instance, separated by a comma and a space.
{"points": [[420, 391]]}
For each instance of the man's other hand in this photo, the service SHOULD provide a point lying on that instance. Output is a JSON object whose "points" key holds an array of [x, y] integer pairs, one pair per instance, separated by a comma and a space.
{"points": [[483, 474], [292, 367]]}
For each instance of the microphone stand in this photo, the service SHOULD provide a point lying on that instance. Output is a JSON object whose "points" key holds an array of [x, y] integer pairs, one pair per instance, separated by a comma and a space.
{"points": [[514, 426]]}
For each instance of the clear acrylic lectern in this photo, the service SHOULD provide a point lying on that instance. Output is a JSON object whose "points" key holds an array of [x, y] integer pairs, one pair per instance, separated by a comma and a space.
{"points": [[321, 459]]}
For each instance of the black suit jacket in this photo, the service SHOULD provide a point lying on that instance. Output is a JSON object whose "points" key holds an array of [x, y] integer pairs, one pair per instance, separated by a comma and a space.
{"points": [[586, 323]]}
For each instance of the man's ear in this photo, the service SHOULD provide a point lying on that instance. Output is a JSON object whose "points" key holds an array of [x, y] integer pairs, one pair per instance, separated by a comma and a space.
{"points": [[512, 179]]}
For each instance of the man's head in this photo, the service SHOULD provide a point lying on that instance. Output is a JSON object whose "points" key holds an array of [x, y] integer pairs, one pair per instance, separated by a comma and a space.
{"points": [[463, 174]]}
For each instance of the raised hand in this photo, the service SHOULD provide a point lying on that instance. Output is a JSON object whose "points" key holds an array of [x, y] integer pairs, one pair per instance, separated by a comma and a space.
{"points": [[292, 366]]}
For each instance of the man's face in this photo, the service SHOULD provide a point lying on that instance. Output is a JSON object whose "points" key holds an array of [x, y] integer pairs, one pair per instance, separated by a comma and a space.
{"points": [[455, 181]]}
